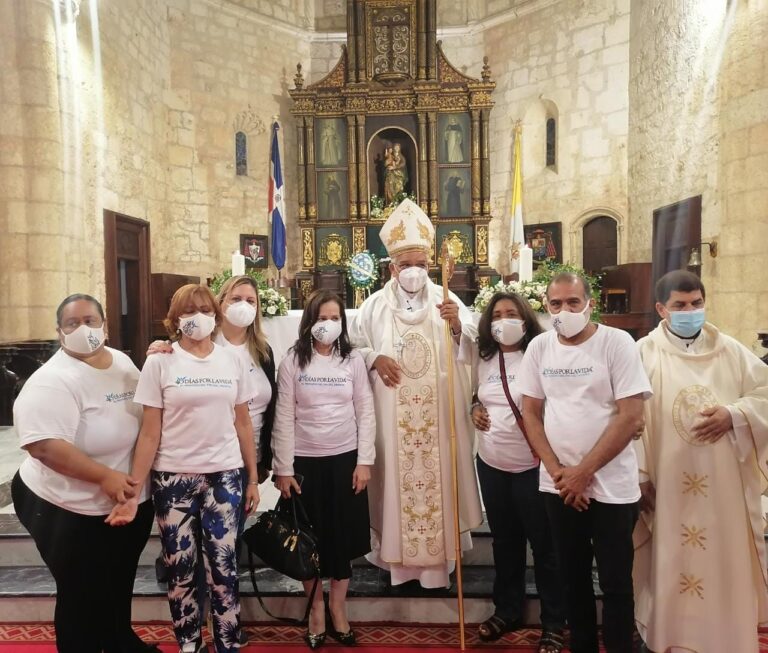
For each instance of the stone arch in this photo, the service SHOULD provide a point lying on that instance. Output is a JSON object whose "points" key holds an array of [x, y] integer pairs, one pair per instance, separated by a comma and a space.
{"points": [[576, 233]]}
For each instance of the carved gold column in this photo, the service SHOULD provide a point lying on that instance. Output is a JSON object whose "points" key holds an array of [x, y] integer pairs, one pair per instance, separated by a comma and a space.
{"points": [[423, 167], [476, 172], [434, 182], [302, 171], [485, 129], [352, 168], [311, 177], [421, 40], [362, 169], [352, 75], [360, 38], [431, 39]]}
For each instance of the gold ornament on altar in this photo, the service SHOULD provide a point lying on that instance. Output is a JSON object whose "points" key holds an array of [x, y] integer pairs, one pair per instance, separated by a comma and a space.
{"points": [[334, 250], [459, 246]]}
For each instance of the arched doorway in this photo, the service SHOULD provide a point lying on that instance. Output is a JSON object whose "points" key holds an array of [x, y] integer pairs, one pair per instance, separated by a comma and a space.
{"points": [[600, 244]]}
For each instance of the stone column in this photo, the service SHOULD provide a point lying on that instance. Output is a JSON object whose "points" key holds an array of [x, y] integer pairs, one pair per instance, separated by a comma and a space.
{"points": [[41, 241], [301, 168], [362, 168], [311, 177], [423, 167], [476, 172]]}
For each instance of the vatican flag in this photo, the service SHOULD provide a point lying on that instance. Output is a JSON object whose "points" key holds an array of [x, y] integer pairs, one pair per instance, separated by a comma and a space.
{"points": [[516, 236]]}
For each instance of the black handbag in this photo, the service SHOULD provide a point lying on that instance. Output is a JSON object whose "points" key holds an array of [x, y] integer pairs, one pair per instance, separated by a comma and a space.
{"points": [[284, 540]]}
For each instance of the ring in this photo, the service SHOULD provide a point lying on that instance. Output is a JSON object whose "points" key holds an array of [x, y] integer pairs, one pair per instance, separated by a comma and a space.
{"points": [[386, 377]]}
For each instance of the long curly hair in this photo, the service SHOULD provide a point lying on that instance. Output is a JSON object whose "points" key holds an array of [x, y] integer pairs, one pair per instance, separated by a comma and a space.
{"points": [[486, 345], [303, 348]]}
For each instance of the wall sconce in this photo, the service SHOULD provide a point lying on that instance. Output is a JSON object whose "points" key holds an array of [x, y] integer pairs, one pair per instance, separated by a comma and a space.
{"points": [[694, 260]]}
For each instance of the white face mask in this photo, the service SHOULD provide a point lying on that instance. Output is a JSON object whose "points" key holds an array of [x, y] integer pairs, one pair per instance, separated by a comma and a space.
{"points": [[507, 331], [569, 324], [412, 279], [240, 314], [84, 340], [197, 326], [326, 331]]}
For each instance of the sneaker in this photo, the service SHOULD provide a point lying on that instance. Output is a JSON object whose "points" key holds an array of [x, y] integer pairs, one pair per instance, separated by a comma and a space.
{"points": [[200, 647]]}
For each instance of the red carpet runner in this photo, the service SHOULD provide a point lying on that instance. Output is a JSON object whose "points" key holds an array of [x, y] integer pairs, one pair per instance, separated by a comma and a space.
{"points": [[372, 638]]}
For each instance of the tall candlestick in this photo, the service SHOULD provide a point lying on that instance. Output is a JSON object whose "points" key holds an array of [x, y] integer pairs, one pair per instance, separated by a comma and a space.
{"points": [[525, 264], [238, 264]]}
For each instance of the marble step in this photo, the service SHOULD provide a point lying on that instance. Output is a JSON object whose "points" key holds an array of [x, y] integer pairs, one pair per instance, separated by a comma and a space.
{"points": [[18, 549], [27, 593]]}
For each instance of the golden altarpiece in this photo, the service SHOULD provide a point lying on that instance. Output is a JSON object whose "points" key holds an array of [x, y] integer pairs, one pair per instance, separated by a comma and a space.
{"points": [[393, 117]]}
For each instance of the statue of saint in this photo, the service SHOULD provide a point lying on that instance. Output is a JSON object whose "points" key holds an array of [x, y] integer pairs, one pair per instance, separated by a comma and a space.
{"points": [[395, 172], [454, 141]]}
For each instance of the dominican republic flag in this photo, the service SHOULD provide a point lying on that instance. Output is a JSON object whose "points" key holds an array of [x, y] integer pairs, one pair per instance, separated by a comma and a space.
{"points": [[276, 201]]}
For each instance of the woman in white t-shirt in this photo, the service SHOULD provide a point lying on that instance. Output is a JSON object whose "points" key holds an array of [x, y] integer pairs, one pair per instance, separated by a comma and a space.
{"points": [[197, 438], [76, 418], [508, 472], [324, 432]]}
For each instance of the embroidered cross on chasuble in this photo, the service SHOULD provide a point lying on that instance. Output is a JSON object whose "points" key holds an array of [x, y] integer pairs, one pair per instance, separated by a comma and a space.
{"points": [[418, 448]]}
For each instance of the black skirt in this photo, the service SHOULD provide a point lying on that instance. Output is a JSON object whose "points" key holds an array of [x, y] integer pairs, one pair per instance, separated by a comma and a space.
{"points": [[338, 515]]}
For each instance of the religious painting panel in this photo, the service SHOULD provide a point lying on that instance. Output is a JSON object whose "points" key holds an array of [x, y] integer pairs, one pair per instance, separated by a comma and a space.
{"points": [[459, 238], [546, 241], [392, 164], [334, 246], [255, 249], [454, 138], [455, 193], [332, 195], [330, 143]]}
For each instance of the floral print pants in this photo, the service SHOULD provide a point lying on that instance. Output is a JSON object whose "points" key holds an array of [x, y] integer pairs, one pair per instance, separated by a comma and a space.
{"points": [[201, 510]]}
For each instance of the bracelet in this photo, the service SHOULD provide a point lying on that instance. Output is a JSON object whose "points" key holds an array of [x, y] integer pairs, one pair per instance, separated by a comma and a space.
{"points": [[253, 482], [474, 405]]}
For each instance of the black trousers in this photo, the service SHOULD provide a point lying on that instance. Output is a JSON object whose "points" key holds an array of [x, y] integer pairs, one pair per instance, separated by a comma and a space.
{"points": [[94, 566], [516, 514], [603, 531]]}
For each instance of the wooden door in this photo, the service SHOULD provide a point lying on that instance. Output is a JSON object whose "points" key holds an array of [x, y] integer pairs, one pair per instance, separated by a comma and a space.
{"points": [[128, 282], [600, 244], [676, 230]]}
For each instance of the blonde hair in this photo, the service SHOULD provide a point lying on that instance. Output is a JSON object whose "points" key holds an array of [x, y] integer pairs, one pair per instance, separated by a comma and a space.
{"points": [[179, 302], [254, 336]]}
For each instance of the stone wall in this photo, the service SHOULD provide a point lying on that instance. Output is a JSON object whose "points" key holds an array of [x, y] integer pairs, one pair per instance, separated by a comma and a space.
{"points": [[69, 150], [698, 120], [569, 61]]}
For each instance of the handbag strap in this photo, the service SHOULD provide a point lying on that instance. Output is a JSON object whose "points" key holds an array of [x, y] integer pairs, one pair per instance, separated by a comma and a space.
{"points": [[512, 405], [289, 620]]}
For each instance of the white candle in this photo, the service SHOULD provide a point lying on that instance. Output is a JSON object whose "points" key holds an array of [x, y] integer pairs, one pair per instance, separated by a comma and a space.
{"points": [[525, 265], [238, 264]]}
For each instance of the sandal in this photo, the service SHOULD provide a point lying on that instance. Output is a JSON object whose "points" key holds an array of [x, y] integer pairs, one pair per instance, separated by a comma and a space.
{"points": [[492, 629], [551, 641]]}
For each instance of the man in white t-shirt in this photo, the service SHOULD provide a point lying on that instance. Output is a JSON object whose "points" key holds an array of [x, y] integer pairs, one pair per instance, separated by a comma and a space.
{"points": [[584, 387]]}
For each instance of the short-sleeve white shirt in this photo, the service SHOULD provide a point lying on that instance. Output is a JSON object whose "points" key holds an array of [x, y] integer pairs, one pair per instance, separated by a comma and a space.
{"points": [[92, 409], [198, 397], [580, 385], [257, 405]]}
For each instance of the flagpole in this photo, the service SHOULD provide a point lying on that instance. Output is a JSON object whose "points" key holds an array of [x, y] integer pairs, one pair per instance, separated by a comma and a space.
{"points": [[448, 266]]}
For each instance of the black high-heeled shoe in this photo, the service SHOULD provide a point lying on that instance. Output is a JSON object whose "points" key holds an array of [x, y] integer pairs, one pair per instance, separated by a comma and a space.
{"points": [[345, 639], [314, 641]]}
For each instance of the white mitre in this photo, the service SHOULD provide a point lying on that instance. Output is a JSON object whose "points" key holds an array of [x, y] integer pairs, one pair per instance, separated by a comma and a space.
{"points": [[408, 228]]}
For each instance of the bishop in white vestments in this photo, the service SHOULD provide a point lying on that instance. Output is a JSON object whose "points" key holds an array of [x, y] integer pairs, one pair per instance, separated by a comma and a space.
{"points": [[400, 331], [700, 563]]}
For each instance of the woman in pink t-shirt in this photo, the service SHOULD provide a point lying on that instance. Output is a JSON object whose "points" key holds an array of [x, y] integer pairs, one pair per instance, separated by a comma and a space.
{"points": [[324, 433]]}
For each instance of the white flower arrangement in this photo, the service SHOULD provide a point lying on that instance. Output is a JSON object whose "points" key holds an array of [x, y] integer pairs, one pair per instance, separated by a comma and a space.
{"points": [[532, 291], [272, 302]]}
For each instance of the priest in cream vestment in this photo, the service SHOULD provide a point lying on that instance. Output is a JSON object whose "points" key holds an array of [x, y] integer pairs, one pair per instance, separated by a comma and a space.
{"points": [[700, 563], [400, 330]]}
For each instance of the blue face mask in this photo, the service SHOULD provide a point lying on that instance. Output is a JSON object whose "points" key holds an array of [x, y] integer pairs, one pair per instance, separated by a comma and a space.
{"points": [[686, 324]]}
